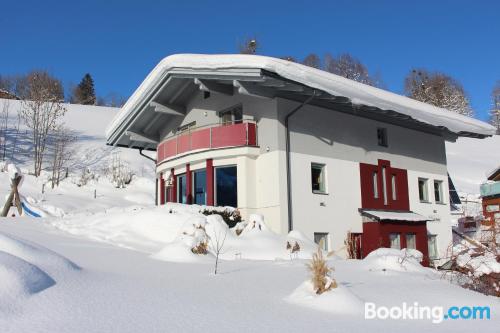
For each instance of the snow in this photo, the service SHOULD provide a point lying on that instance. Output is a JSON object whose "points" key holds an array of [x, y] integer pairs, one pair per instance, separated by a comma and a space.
{"points": [[117, 263], [13, 171], [470, 161], [339, 301], [122, 290], [336, 85], [384, 259], [397, 216], [20, 278], [480, 265]]}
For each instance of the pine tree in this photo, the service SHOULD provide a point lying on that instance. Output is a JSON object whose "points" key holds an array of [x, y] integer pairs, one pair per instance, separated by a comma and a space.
{"points": [[84, 92]]}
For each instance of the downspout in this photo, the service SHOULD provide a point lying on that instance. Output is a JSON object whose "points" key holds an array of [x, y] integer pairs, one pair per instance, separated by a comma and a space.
{"points": [[156, 182], [288, 164]]}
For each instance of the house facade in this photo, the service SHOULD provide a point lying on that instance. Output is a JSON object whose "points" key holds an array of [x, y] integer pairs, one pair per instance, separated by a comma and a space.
{"points": [[309, 150]]}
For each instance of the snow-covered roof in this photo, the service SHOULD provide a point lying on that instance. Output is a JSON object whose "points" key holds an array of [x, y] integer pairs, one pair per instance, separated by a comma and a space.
{"points": [[378, 100], [382, 215]]}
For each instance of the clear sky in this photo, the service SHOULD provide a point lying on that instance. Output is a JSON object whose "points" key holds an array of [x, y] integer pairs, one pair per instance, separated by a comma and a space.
{"points": [[119, 42]]}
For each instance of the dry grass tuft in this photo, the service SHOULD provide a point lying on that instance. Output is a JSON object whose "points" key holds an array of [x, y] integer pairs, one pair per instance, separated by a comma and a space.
{"points": [[321, 279]]}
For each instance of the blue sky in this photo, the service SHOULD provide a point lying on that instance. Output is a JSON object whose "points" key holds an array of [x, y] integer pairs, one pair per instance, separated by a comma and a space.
{"points": [[119, 42]]}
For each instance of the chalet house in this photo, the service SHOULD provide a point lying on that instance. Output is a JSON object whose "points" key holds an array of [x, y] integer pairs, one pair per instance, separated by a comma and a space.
{"points": [[490, 193], [307, 149]]}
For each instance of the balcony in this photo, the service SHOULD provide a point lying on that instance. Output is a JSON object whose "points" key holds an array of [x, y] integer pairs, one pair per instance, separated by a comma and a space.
{"points": [[208, 137], [490, 189]]}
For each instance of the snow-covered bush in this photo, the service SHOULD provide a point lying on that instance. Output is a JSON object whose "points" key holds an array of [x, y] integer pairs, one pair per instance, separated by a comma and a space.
{"points": [[321, 273], [86, 177], [231, 216], [477, 269]]}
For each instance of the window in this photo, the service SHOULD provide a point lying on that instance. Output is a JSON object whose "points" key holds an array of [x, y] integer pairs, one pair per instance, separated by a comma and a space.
{"points": [[438, 191], [181, 189], [226, 187], [411, 241], [321, 238], [375, 185], [492, 208], [394, 189], [382, 137], [384, 184], [232, 115], [200, 187], [422, 190], [432, 246], [318, 178], [206, 94], [395, 242]]}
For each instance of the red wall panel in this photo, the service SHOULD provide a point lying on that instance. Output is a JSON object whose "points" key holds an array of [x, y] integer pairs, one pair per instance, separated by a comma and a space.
{"points": [[368, 200]]}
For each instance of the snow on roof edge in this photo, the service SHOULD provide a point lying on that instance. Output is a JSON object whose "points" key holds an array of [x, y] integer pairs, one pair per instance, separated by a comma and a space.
{"points": [[358, 93]]}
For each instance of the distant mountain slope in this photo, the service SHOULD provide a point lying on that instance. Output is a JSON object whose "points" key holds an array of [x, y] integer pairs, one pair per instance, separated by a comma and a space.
{"points": [[471, 160], [88, 124]]}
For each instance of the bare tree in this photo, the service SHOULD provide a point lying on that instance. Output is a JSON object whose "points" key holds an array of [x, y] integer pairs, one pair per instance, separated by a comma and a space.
{"points": [[312, 60], [249, 46], [349, 67], [495, 109], [62, 152], [4, 122], [217, 245], [438, 89], [41, 110], [16, 136]]}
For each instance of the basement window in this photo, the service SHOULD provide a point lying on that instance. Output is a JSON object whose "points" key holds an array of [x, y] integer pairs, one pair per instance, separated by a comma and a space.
{"points": [[432, 246], [321, 238], [394, 239], [411, 241], [318, 178], [382, 137]]}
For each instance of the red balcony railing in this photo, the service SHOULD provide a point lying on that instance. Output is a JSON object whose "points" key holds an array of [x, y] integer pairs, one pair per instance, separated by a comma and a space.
{"points": [[208, 137]]}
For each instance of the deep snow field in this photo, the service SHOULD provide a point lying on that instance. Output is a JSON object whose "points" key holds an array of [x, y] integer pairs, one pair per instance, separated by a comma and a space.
{"points": [[117, 263], [99, 287]]}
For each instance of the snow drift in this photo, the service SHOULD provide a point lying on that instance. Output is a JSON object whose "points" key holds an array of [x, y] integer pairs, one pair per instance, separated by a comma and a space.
{"points": [[384, 259], [339, 300]]}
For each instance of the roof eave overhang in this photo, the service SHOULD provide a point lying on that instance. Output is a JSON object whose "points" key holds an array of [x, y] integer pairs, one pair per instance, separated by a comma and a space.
{"points": [[339, 103]]}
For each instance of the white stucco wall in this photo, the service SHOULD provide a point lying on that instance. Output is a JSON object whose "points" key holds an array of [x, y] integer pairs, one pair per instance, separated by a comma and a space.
{"points": [[338, 140]]}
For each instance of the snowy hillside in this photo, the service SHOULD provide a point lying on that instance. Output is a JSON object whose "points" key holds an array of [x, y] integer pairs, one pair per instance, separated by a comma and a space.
{"points": [[471, 160], [87, 123]]}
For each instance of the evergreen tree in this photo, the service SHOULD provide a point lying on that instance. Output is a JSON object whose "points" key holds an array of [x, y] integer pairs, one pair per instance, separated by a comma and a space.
{"points": [[84, 92]]}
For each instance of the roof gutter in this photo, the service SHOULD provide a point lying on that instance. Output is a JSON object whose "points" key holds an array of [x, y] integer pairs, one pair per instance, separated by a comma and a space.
{"points": [[288, 162]]}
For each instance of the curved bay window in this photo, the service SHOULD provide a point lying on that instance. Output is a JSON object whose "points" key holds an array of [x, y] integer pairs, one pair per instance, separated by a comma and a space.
{"points": [[226, 188], [200, 187], [181, 189]]}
